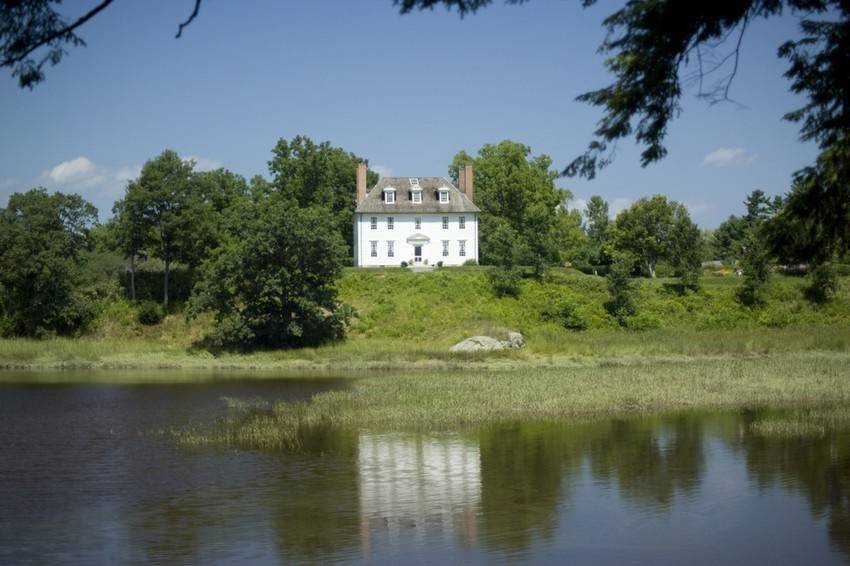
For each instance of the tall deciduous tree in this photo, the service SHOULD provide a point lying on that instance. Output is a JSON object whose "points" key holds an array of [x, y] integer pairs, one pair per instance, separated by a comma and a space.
{"points": [[42, 237], [318, 174], [272, 283], [655, 229], [516, 191], [165, 210]]}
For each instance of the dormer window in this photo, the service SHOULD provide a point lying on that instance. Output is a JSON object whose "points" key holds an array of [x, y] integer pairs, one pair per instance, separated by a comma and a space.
{"points": [[389, 195], [416, 196], [444, 196]]}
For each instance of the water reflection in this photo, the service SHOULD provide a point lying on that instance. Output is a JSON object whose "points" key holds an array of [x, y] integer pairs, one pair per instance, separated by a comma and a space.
{"points": [[85, 479]]}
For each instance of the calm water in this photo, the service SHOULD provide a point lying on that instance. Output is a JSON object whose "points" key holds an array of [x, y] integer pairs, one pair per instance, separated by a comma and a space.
{"points": [[89, 475]]}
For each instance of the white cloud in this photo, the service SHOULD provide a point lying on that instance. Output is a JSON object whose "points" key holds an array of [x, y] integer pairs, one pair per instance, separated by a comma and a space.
{"points": [[71, 170], [618, 205], [382, 170], [728, 157], [98, 184], [203, 164]]}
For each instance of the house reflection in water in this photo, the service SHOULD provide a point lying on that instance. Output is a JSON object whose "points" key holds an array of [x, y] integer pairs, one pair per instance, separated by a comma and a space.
{"points": [[418, 486]]}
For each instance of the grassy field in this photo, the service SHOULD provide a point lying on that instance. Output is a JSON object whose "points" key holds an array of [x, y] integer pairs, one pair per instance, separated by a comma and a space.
{"points": [[816, 387], [408, 321]]}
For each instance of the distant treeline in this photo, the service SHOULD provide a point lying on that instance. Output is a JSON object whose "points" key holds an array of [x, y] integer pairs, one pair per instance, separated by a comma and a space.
{"points": [[264, 254]]}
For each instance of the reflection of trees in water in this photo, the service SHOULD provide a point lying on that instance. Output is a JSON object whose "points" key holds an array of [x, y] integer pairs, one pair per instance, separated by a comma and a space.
{"points": [[305, 504], [526, 470], [650, 459], [523, 468], [816, 467], [344, 491], [315, 503]]}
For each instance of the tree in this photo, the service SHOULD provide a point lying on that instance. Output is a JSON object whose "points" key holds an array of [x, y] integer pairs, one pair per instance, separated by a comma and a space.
{"points": [[42, 237], [756, 255], [321, 175], [129, 237], [273, 284], [686, 249], [167, 214], [621, 287], [517, 191], [597, 219], [646, 231], [727, 240]]}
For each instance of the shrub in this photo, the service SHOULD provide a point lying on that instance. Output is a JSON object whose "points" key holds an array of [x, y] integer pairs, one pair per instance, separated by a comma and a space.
{"points": [[150, 313], [643, 321], [403, 264], [568, 315], [504, 281], [440, 263], [823, 284], [470, 262]]}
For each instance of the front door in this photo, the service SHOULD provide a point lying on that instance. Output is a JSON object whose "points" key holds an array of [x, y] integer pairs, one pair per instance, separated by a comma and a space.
{"points": [[417, 254]]}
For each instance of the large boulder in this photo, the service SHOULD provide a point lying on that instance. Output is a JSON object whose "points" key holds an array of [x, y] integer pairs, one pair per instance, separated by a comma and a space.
{"points": [[478, 344], [488, 343]]}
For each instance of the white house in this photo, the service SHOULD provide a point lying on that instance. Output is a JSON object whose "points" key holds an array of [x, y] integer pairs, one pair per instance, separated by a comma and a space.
{"points": [[418, 220]]}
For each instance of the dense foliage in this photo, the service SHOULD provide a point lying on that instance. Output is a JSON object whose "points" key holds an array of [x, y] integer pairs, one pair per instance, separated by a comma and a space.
{"points": [[272, 285], [655, 229], [318, 175], [42, 240], [524, 219]]}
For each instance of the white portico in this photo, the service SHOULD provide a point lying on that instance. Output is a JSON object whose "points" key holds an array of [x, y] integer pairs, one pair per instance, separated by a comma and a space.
{"points": [[417, 220]]}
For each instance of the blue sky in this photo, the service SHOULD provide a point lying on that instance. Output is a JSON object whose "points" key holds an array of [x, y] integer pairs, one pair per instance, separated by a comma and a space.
{"points": [[406, 92]]}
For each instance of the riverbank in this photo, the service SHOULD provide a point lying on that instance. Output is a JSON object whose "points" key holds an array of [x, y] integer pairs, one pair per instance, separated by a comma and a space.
{"points": [[593, 348], [454, 401]]}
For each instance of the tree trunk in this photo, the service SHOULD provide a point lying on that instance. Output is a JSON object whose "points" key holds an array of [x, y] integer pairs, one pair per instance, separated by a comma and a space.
{"points": [[133, 277], [650, 265], [165, 285]]}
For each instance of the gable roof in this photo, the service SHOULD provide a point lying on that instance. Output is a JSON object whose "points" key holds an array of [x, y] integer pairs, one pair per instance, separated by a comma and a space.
{"points": [[374, 201]]}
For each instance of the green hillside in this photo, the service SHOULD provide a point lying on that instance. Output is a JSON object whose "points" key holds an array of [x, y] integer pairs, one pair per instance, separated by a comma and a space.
{"points": [[408, 318]]}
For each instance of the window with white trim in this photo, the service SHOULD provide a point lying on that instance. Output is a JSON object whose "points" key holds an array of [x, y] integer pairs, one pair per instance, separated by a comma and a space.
{"points": [[416, 196], [390, 248], [444, 197], [374, 223], [461, 222], [461, 248], [373, 248], [445, 222], [390, 222], [389, 196], [417, 223], [445, 248]]}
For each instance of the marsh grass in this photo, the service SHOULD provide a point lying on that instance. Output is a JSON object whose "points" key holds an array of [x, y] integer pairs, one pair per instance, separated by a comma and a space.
{"points": [[803, 422], [459, 400]]}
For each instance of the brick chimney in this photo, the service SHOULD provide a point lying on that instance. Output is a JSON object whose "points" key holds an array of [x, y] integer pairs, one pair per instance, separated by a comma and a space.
{"points": [[467, 181], [461, 179], [361, 182]]}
